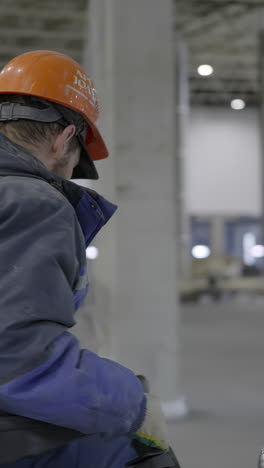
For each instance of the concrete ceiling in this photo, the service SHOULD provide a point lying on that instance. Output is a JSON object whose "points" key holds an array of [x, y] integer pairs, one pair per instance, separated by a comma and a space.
{"points": [[224, 34], [38, 24]]}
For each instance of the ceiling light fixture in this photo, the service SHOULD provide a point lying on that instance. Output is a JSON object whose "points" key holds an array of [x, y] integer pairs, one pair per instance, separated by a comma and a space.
{"points": [[201, 251], [91, 252], [238, 104], [205, 70]]}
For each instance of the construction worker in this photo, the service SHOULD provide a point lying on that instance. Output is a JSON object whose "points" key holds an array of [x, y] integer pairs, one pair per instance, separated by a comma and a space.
{"points": [[60, 406]]}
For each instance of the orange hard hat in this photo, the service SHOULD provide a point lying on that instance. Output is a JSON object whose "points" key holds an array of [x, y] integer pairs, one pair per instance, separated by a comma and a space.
{"points": [[57, 78]]}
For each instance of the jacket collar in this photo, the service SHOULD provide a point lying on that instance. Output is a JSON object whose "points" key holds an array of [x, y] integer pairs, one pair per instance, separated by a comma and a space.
{"points": [[93, 211]]}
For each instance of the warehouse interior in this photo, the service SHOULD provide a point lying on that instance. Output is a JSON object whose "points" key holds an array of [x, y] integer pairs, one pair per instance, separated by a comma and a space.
{"points": [[177, 277]]}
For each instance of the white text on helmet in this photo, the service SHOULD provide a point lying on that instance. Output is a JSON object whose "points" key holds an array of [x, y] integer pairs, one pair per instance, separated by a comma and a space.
{"points": [[84, 83]]}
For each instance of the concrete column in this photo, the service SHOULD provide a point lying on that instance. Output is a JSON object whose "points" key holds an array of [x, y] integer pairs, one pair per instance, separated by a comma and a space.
{"points": [[181, 126], [95, 318], [131, 53], [261, 115]]}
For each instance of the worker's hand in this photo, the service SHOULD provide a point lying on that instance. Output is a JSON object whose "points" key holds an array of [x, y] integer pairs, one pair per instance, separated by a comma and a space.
{"points": [[153, 430]]}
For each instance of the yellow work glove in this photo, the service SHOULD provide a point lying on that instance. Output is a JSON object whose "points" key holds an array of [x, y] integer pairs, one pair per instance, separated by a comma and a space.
{"points": [[153, 429]]}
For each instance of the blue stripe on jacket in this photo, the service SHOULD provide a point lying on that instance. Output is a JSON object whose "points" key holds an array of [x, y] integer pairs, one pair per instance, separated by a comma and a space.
{"points": [[81, 288], [79, 297]]}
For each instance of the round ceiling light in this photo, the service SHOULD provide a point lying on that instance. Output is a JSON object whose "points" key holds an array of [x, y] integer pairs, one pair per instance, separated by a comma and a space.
{"points": [[238, 104], [92, 252], [201, 251], [205, 70]]}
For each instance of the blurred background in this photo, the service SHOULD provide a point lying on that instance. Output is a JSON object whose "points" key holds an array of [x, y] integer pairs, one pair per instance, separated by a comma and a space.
{"points": [[177, 277]]}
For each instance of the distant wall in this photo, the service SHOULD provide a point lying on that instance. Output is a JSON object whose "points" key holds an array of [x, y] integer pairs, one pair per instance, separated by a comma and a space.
{"points": [[223, 162]]}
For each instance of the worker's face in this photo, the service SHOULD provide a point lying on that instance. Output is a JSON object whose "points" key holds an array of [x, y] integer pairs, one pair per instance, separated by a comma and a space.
{"points": [[64, 159]]}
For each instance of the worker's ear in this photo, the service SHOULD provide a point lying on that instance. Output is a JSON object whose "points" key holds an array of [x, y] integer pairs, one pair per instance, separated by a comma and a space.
{"points": [[60, 142]]}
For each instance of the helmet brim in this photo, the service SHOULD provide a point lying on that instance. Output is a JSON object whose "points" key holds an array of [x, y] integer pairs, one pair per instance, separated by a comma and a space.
{"points": [[96, 145]]}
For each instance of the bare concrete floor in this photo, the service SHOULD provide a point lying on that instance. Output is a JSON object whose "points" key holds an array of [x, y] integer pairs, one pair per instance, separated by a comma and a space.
{"points": [[223, 382]]}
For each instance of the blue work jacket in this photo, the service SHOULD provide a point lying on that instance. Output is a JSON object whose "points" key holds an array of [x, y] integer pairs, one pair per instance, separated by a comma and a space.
{"points": [[51, 391]]}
